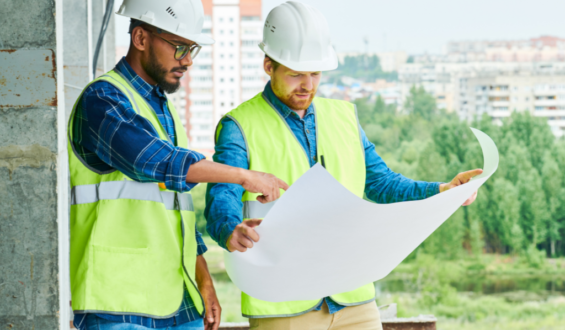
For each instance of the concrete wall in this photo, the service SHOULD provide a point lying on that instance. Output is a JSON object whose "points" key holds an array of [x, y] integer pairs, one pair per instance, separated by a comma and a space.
{"points": [[32, 162]]}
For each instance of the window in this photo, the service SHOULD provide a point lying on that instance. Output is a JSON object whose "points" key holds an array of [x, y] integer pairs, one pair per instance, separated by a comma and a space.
{"points": [[221, 19], [204, 127], [231, 55], [221, 68], [204, 67], [201, 90], [222, 104], [206, 30], [250, 31], [231, 68], [203, 139], [221, 79], [222, 44], [250, 78], [250, 66], [250, 18], [231, 31], [221, 31], [204, 78], [249, 43], [202, 115], [200, 102], [251, 55], [221, 91], [231, 79], [231, 19]]}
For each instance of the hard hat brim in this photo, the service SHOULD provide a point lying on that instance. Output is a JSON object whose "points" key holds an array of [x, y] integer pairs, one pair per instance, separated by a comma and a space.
{"points": [[200, 38], [331, 63]]}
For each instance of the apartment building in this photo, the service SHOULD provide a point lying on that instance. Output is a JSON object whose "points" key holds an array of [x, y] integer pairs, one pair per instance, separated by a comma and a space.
{"points": [[226, 73], [540, 93], [541, 49], [495, 88]]}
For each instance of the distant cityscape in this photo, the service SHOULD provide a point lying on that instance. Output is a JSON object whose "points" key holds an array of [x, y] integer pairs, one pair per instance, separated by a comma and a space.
{"points": [[470, 78]]}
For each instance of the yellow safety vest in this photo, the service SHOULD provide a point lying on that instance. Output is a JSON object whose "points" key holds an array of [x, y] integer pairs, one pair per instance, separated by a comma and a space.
{"points": [[133, 246], [273, 148]]}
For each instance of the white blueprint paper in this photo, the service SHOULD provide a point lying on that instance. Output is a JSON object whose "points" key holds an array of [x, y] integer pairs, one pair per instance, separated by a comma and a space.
{"points": [[319, 239]]}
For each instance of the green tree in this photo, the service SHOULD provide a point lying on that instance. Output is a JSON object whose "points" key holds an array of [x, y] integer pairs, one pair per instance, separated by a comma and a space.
{"points": [[420, 103]]}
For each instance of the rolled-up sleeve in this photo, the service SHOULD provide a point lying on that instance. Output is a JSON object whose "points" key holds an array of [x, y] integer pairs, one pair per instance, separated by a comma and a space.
{"points": [[110, 132], [223, 200], [382, 185]]}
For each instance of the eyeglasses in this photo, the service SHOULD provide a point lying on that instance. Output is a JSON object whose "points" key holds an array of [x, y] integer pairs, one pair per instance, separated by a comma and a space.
{"points": [[182, 50]]}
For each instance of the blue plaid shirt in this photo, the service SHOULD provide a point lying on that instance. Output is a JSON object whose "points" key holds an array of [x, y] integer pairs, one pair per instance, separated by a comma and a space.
{"points": [[109, 134], [223, 201]]}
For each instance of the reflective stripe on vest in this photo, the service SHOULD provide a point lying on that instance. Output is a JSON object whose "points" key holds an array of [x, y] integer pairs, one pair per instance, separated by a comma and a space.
{"points": [[129, 190], [256, 210]]}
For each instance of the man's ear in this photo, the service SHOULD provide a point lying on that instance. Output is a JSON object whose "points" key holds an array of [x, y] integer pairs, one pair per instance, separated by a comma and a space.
{"points": [[139, 38], [268, 66]]}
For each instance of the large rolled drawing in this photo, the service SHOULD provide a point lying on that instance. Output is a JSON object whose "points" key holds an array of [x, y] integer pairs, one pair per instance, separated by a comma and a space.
{"points": [[319, 239]]}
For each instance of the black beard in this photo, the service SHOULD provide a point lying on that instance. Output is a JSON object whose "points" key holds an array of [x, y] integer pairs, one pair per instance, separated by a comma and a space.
{"points": [[158, 73]]}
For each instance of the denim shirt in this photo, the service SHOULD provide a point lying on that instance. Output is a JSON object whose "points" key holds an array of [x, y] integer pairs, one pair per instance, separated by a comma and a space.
{"points": [[223, 201], [108, 133]]}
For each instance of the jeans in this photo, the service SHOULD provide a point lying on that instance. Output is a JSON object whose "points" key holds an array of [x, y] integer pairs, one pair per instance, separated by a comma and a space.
{"points": [[96, 323]]}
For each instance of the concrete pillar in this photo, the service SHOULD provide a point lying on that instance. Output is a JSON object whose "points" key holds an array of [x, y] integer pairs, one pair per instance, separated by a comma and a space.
{"points": [[33, 167]]}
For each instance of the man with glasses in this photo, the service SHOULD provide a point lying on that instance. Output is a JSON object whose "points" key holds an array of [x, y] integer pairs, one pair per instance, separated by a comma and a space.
{"points": [[136, 256]]}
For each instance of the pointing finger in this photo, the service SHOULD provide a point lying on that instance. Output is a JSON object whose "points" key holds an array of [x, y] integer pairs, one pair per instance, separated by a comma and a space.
{"points": [[283, 185]]}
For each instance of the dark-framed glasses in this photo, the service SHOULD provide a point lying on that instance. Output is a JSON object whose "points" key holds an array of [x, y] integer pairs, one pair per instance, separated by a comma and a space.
{"points": [[182, 50]]}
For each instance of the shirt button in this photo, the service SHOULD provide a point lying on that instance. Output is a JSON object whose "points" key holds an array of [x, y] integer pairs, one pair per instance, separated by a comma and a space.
{"points": [[308, 131]]}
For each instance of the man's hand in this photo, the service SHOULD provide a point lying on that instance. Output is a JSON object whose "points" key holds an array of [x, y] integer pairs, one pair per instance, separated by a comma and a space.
{"points": [[460, 179], [264, 183], [213, 309], [243, 236], [206, 287], [256, 182]]}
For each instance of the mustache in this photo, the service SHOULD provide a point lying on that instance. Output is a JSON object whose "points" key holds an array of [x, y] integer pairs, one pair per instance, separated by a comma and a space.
{"points": [[179, 69]]}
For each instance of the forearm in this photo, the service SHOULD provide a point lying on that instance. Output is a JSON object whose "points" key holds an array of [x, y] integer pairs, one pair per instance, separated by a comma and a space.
{"points": [[395, 187], [382, 185], [203, 278], [223, 211], [208, 171]]}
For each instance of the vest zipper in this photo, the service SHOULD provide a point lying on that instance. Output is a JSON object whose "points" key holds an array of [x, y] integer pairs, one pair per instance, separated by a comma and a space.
{"points": [[177, 207]]}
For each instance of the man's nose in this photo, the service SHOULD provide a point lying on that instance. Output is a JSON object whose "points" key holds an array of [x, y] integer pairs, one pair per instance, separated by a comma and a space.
{"points": [[186, 61], [308, 83]]}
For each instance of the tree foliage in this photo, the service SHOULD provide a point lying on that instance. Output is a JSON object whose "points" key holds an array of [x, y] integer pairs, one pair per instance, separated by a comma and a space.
{"points": [[519, 210], [363, 67]]}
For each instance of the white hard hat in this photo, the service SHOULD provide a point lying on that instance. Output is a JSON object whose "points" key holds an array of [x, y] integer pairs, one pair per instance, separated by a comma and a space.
{"points": [[298, 36], [183, 18]]}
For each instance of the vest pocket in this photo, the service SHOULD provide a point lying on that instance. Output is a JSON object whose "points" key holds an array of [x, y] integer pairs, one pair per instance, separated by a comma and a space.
{"points": [[118, 281]]}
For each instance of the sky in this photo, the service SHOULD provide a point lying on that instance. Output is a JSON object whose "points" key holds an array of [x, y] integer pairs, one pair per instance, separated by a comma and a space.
{"points": [[423, 26]]}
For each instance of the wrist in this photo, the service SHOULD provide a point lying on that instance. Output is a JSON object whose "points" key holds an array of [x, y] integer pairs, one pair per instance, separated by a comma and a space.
{"points": [[442, 187], [242, 175]]}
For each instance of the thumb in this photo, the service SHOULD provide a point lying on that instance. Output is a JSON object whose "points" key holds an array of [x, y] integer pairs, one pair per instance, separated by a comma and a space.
{"points": [[253, 222], [466, 176], [210, 316]]}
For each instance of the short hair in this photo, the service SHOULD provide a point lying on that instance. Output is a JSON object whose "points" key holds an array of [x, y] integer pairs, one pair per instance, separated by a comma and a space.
{"points": [[275, 63]]}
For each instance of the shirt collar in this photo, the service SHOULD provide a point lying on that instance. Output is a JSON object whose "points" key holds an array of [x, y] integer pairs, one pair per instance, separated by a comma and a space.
{"points": [[282, 108], [141, 86]]}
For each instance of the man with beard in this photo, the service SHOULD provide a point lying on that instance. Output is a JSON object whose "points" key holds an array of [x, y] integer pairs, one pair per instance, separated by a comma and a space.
{"points": [[285, 130], [136, 256]]}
